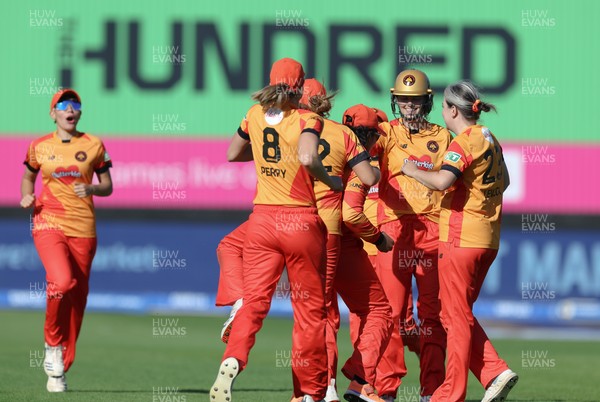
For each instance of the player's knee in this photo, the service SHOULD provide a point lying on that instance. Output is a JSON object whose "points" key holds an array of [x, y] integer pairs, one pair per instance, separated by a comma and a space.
{"points": [[57, 289]]}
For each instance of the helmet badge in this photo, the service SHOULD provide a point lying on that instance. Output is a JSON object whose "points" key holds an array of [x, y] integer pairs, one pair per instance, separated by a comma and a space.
{"points": [[409, 80]]}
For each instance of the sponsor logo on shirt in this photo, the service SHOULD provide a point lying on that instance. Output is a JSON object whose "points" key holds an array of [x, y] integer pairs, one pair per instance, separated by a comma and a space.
{"points": [[487, 135], [273, 116], [67, 175], [420, 164], [452, 156]]}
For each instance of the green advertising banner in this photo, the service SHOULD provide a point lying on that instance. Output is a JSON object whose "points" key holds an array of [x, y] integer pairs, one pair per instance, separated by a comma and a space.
{"points": [[187, 68]]}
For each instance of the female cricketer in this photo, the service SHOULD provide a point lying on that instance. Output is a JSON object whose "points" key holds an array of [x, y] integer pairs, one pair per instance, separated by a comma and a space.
{"points": [[410, 329], [64, 225], [341, 152], [343, 155], [283, 229], [409, 212], [355, 279], [475, 175]]}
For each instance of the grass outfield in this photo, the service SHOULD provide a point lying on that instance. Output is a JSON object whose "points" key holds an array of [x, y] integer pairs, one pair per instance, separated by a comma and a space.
{"points": [[136, 358]]}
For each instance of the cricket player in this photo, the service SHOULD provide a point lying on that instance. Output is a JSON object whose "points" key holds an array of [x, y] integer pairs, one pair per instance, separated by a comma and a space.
{"points": [[64, 225], [474, 177]]}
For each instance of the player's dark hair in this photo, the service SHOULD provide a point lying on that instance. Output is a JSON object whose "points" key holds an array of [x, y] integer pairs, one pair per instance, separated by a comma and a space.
{"points": [[363, 134], [319, 104], [280, 96], [467, 98]]}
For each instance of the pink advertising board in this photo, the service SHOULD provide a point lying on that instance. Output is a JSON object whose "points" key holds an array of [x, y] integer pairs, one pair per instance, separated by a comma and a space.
{"points": [[194, 173]]}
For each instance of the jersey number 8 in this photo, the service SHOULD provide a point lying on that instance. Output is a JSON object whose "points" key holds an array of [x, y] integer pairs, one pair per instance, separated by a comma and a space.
{"points": [[272, 151]]}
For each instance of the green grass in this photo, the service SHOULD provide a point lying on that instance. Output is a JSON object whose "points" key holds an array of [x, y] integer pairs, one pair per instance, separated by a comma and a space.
{"points": [[119, 359]]}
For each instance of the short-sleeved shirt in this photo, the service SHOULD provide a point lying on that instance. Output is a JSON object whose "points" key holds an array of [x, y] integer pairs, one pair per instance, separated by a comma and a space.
{"points": [[472, 208], [399, 194], [274, 135], [64, 164], [340, 151]]}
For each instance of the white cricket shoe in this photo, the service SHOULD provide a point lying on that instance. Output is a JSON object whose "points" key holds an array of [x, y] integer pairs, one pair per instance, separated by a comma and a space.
{"points": [[331, 395], [226, 331], [221, 389], [57, 384], [501, 386], [53, 361]]}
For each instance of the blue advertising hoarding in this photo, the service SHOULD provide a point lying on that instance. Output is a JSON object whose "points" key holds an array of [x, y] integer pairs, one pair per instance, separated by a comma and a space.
{"points": [[549, 276]]}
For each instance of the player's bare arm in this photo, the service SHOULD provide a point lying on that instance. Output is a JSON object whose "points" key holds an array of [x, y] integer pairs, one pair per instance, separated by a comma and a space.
{"points": [[368, 175], [245, 155], [309, 158], [28, 188], [439, 180], [103, 189], [237, 147]]}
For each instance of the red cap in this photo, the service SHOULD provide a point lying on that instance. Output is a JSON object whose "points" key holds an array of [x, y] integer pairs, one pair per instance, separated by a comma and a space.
{"points": [[381, 116], [62, 93], [312, 87], [287, 71], [361, 115]]}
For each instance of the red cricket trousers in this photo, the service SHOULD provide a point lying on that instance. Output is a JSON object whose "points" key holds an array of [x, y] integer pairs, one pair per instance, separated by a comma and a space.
{"points": [[231, 274], [67, 261], [410, 329], [461, 272], [294, 237], [415, 253], [358, 285], [230, 256], [331, 303]]}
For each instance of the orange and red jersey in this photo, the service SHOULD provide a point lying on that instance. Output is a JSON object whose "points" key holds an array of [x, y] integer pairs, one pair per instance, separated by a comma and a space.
{"points": [[370, 209], [339, 150], [274, 139], [472, 208], [64, 164], [400, 194], [356, 223]]}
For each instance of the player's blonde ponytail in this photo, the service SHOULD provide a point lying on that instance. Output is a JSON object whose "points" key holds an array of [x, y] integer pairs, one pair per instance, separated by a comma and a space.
{"points": [[466, 97], [279, 96], [319, 104]]}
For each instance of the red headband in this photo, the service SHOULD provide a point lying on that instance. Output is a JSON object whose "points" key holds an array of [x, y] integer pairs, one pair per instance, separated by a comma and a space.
{"points": [[475, 106]]}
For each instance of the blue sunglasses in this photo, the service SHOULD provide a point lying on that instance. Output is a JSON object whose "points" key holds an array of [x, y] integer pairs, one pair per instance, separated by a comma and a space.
{"points": [[65, 104]]}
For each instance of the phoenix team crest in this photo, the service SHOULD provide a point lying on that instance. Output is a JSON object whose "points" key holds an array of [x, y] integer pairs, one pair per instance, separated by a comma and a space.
{"points": [[409, 80], [81, 156]]}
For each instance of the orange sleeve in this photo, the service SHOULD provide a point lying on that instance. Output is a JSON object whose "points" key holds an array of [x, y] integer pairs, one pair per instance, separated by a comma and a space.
{"points": [[355, 153], [457, 158], [31, 159], [243, 129], [311, 123], [353, 214], [102, 161]]}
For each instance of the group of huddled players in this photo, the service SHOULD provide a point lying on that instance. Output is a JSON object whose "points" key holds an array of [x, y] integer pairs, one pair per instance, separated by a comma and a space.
{"points": [[357, 209]]}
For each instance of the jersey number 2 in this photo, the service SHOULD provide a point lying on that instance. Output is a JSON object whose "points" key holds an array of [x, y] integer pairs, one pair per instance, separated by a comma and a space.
{"points": [[487, 179]]}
